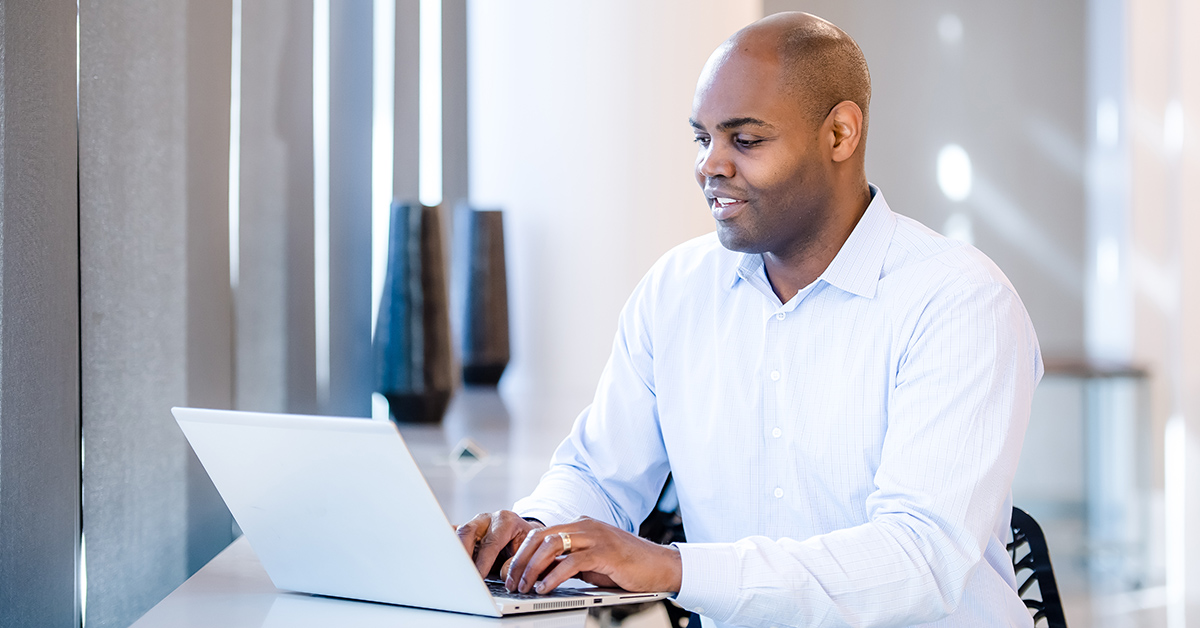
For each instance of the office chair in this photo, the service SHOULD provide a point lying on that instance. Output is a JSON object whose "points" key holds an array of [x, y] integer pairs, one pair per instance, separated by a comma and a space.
{"points": [[1029, 553]]}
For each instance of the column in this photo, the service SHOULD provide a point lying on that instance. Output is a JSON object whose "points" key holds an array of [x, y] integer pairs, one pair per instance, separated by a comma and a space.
{"points": [[157, 312], [351, 365], [39, 316], [275, 300], [406, 124]]}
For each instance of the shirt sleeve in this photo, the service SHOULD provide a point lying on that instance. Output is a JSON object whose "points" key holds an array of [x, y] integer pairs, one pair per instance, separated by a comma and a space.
{"points": [[957, 413], [613, 464]]}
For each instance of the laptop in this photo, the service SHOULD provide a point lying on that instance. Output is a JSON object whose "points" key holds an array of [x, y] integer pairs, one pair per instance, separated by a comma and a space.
{"points": [[338, 507]]}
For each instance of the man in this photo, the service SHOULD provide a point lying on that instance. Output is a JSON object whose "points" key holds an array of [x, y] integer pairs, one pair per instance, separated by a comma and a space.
{"points": [[839, 392]]}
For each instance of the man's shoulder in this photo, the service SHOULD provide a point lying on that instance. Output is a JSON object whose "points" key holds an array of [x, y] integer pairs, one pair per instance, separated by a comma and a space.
{"points": [[701, 258], [689, 271], [920, 254]]}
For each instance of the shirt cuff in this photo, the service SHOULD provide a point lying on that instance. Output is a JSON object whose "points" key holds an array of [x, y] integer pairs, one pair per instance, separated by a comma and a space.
{"points": [[710, 579]]}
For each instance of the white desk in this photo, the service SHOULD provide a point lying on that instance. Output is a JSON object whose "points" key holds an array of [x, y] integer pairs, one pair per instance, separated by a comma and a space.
{"points": [[233, 590]]}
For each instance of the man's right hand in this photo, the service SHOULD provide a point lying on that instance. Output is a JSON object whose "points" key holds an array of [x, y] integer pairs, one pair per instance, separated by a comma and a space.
{"points": [[492, 536]]}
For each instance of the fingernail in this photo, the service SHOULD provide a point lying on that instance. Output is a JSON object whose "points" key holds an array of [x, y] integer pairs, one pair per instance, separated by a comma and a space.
{"points": [[540, 586], [508, 583], [522, 583]]}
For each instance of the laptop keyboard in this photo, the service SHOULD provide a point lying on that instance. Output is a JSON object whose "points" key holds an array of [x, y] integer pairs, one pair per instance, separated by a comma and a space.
{"points": [[497, 589]]}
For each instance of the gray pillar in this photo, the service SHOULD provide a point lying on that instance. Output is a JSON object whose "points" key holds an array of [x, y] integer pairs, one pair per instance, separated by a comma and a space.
{"points": [[39, 316], [276, 346], [406, 126], [455, 156], [351, 363], [155, 298]]}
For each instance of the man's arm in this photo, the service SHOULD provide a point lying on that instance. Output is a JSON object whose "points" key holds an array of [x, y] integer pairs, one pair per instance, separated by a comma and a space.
{"points": [[613, 464]]}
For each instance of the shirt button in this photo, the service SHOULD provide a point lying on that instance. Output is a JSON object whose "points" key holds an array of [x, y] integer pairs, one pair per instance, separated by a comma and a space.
{"points": [[774, 376], [781, 316], [776, 432], [778, 492]]}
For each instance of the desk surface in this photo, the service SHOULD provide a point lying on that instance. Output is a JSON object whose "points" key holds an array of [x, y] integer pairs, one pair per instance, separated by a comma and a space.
{"points": [[234, 591]]}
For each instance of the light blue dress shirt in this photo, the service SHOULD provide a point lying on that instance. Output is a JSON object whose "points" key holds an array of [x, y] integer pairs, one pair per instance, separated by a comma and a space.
{"points": [[845, 458]]}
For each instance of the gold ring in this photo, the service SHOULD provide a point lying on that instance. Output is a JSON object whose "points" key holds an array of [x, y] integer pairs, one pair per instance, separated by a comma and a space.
{"points": [[566, 539]]}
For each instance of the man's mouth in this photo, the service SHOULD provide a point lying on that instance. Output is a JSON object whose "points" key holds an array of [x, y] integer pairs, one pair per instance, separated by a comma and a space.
{"points": [[724, 208]]}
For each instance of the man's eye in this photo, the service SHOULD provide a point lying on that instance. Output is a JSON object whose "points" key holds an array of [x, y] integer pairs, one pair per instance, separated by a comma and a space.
{"points": [[701, 140], [747, 143]]}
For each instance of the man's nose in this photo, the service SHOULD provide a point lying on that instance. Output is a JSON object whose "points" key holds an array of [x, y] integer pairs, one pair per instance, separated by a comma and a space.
{"points": [[714, 162]]}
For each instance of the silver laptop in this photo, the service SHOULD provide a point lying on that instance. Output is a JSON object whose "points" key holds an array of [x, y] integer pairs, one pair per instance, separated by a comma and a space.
{"points": [[338, 507]]}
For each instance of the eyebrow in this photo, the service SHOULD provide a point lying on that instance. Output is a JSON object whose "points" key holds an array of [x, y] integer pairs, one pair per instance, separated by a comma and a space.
{"points": [[734, 123]]}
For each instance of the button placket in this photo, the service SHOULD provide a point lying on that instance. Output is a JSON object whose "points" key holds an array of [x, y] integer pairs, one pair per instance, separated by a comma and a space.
{"points": [[774, 394]]}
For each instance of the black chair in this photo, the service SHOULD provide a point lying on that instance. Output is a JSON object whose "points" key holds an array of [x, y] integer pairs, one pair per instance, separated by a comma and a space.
{"points": [[1029, 553]]}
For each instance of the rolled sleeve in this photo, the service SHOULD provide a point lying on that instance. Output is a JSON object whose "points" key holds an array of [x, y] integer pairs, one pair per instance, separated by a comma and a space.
{"points": [[614, 480]]}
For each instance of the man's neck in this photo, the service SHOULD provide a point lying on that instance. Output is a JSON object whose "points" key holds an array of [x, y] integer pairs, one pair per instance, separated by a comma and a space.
{"points": [[789, 274]]}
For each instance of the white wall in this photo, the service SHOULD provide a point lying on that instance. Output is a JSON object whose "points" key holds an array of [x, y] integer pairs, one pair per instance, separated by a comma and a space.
{"points": [[579, 127]]}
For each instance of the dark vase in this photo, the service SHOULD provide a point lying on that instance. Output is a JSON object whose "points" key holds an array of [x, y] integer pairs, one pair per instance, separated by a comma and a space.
{"points": [[485, 322], [412, 332]]}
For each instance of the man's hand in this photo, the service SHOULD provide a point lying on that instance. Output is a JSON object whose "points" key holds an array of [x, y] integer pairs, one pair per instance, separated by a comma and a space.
{"points": [[599, 554], [494, 535]]}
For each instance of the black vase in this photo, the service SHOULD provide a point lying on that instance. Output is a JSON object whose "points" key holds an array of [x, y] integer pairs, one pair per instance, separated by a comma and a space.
{"points": [[412, 332], [485, 306]]}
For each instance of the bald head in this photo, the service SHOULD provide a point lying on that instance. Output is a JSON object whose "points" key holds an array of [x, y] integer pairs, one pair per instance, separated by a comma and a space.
{"points": [[820, 65], [779, 119]]}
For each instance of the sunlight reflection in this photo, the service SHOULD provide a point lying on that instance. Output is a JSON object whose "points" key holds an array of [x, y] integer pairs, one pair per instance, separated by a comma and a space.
{"points": [[950, 29], [954, 172]]}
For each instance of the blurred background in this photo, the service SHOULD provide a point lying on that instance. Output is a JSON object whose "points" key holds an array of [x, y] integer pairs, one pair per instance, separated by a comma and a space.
{"points": [[195, 209]]}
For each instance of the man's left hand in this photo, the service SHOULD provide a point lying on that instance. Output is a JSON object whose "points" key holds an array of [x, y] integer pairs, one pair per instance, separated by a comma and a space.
{"points": [[599, 554]]}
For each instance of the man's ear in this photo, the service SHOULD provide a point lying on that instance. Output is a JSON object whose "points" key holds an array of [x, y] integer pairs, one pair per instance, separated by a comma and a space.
{"points": [[845, 125]]}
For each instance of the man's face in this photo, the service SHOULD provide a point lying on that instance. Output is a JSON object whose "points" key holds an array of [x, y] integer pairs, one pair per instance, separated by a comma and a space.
{"points": [[758, 159]]}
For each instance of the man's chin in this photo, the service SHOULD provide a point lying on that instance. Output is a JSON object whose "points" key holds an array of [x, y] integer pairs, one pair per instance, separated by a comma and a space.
{"points": [[737, 240]]}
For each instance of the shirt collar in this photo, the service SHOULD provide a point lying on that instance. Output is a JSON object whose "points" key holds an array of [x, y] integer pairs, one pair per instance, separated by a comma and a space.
{"points": [[858, 264], [748, 265]]}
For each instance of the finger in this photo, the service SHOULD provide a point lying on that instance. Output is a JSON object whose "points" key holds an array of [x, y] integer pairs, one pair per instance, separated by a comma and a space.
{"points": [[505, 568], [543, 557], [566, 568], [494, 540], [525, 528], [517, 565], [470, 532]]}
